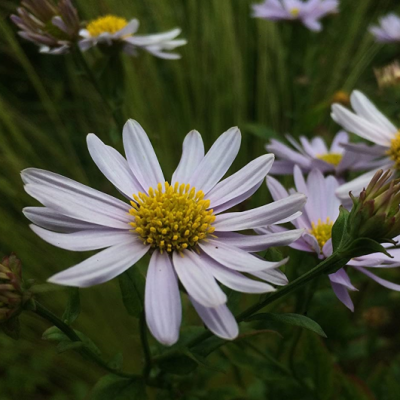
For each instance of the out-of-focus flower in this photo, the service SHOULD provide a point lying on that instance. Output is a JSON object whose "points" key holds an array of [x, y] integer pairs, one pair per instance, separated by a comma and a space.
{"points": [[319, 215], [111, 30], [341, 97], [309, 154], [376, 317], [308, 12], [13, 293], [389, 75], [180, 224], [369, 123], [388, 29], [54, 28]]}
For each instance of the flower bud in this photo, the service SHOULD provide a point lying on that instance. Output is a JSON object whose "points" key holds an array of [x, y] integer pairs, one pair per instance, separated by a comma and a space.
{"points": [[13, 293], [376, 213]]}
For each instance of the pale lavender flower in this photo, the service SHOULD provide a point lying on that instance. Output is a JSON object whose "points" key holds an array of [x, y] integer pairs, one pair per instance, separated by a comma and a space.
{"points": [[54, 28], [181, 225], [319, 215], [308, 12], [388, 29], [369, 123], [310, 154], [110, 30]]}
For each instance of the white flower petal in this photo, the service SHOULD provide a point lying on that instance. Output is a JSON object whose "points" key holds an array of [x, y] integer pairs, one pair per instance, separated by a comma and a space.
{"points": [[383, 282], [261, 216], [273, 275], [141, 156], [197, 280], [219, 320], [217, 161], [242, 181], [235, 280], [162, 299], [103, 266], [192, 154], [84, 240], [154, 39], [236, 259], [53, 221], [114, 166]]}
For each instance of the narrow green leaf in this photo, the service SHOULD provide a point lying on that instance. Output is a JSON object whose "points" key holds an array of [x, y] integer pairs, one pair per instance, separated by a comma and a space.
{"points": [[112, 387], [132, 284], [339, 229], [68, 345], [363, 246], [290, 319], [116, 362], [73, 308]]}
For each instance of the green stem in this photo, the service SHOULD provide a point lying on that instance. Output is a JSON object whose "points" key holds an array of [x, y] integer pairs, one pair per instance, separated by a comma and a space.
{"points": [[89, 74], [72, 335], [145, 346]]}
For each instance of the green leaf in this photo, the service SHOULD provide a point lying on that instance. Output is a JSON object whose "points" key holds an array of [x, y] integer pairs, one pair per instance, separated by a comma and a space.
{"points": [[290, 319], [113, 387], [339, 229], [363, 246], [68, 345], [116, 362], [132, 284], [54, 334], [73, 308]]}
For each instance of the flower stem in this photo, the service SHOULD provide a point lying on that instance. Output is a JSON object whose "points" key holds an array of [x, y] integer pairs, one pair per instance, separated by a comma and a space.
{"points": [[145, 346], [72, 335], [89, 74]]}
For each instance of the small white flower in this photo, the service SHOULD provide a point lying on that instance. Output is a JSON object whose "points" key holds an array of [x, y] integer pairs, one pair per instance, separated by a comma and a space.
{"points": [[388, 29], [369, 123], [309, 12], [319, 215], [310, 154], [181, 224], [111, 30]]}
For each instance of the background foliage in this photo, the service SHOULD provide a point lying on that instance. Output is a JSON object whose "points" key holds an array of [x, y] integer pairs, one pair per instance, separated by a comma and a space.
{"points": [[269, 79]]}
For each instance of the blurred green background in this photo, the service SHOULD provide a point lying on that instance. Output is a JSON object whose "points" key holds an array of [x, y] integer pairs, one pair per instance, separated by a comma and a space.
{"points": [[267, 78]]}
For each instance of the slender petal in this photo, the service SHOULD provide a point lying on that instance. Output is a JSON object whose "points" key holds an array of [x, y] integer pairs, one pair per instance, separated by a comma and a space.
{"points": [[383, 282], [343, 295], [219, 320], [103, 266], [162, 300], [197, 280]]}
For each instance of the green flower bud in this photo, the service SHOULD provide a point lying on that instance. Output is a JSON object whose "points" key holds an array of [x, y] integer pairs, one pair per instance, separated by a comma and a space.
{"points": [[376, 212], [13, 291]]}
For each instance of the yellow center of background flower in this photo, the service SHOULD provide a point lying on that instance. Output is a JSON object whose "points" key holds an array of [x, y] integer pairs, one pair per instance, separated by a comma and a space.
{"points": [[176, 218], [394, 151], [331, 158], [322, 231], [295, 12], [106, 24]]}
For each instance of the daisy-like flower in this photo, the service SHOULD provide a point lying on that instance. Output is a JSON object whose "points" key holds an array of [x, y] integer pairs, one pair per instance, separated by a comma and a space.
{"points": [[310, 154], [389, 75], [319, 215], [111, 30], [308, 12], [369, 123], [388, 29], [54, 28], [180, 224]]}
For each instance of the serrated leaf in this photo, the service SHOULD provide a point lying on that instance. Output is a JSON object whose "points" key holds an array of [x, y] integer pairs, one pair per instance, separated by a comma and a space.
{"points": [[290, 319], [73, 308], [132, 284], [113, 387]]}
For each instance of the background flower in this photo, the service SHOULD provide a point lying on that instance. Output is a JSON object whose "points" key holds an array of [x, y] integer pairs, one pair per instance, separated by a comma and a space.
{"points": [[388, 29]]}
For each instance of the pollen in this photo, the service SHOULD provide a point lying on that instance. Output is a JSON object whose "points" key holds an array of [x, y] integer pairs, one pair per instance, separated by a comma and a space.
{"points": [[295, 11], [107, 24], [394, 151], [172, 218], [322, 231], [331, 158]]}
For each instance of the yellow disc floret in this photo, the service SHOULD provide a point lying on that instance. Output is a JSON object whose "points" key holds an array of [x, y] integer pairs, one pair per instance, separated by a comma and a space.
{"points": [[295, 11], [172, 217], [322, 231], [394, 151], [107, 24], [331, 158]]}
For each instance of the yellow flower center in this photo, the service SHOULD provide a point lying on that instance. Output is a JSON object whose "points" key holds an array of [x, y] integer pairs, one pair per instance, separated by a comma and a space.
{"points": [[394, 151], [322, 231], [106, 24], [295, 12], [176, 218], [331, 158]]}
